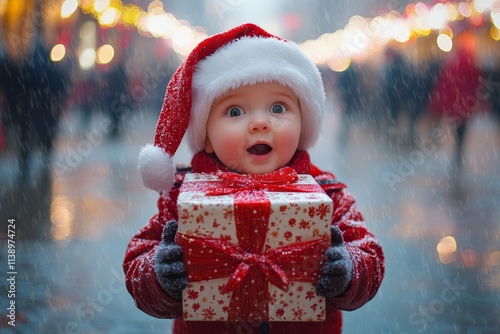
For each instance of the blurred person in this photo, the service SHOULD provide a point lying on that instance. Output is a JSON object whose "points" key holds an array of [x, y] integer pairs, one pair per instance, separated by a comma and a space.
{"points": [[115, 99], [422, 79], [348, 89], [245, 87], [495, 95], [396, 84], [454, 98], [35, 91]]}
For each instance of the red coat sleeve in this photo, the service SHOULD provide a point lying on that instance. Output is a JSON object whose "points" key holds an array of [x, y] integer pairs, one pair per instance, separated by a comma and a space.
{"points": [[365, 250], [138, 264]]}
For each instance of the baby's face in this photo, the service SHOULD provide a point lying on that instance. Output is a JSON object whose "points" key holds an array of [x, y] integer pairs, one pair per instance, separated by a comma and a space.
{"points": [[254, 129]]}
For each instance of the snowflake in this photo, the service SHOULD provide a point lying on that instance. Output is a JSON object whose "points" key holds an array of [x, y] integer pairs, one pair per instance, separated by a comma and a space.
{"points": [[199, 219], [312, 212], [196, 307], [208, 313], [323, 210], [298, 313], [283, 208], [192, 294], [184, 214], [288, 235], [305, 225], [310, 295], [292, 222], [280, 313], [228, 213]]}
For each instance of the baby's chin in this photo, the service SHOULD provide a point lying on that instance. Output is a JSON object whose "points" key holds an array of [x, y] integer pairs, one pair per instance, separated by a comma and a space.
{"points": [[257, 169]]}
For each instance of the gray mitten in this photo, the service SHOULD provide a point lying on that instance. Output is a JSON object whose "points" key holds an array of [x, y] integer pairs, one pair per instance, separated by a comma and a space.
{"points": [[336, 273], [169, 267]]}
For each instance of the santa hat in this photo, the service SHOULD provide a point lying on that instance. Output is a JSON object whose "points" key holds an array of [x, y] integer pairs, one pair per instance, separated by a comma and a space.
{"points": [[244, 55]]}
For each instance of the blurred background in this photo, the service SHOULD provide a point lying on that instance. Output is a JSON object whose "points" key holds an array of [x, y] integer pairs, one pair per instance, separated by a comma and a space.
{"points": [[412, 127]]}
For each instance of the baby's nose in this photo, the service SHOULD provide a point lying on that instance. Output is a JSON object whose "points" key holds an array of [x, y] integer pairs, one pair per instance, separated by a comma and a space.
{"points": [[259, 123]]}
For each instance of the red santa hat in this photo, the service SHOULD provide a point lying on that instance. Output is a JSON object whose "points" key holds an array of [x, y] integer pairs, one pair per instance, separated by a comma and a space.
{"points": [[242, 56]]}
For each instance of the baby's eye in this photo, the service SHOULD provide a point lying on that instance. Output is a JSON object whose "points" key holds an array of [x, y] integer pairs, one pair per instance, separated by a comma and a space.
{"points": [[278, 108], [235, 112]]}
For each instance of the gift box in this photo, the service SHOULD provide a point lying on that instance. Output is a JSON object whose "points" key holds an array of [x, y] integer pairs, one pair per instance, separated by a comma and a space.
{"points": [[253, 246]]}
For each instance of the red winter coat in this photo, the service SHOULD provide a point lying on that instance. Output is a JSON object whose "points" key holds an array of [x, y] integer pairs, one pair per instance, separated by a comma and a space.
{"points": [[366, 254]]}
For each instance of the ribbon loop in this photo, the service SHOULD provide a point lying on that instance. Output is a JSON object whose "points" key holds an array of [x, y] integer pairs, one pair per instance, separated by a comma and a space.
{"points": [[284, 179]]}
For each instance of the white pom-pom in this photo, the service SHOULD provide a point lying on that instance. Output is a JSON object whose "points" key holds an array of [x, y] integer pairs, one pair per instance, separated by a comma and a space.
{"points": [[157, 168]]}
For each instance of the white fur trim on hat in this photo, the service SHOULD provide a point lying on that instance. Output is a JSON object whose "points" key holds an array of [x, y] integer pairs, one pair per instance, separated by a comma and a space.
{"points": [[251, 60], [156, 168]]}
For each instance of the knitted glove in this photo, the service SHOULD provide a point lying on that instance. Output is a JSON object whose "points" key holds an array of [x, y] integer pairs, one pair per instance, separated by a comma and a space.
{"points": [[336, 273], [169, 268]]}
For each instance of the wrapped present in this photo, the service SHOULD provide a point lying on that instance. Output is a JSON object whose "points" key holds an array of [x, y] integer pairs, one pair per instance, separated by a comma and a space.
{"points": [[253, 246]]}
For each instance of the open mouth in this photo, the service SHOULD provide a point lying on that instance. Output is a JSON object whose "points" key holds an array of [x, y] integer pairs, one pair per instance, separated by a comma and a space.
{"points": [[260, 149]]}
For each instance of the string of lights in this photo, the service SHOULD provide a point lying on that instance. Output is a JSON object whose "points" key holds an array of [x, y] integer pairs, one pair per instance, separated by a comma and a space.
{"points": [[357, 40]]}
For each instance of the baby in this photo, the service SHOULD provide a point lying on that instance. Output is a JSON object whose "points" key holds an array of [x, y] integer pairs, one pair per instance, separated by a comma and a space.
{"points": [[251, 103]]}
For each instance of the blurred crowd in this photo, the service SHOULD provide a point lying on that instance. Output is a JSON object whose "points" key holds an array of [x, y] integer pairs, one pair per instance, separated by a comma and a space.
{"points": [[407, 92]]}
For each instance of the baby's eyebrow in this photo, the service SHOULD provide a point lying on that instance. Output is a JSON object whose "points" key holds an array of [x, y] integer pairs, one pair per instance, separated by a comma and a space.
{"points": [[287, 95], [228, 97]]}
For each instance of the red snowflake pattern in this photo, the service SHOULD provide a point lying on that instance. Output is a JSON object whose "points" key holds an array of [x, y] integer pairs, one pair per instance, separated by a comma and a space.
{"points": [[312, 211], [208, 313], [310, 295], [323, 210], [288, 235], [199, 219], [292, 222], [304, 225], [283, 208], [228, 213], [298, 313], [280, 313], [300, 288], [192, 294], [215, 224], [298, 238], [184, 214], [196, 307], [314, 306]]}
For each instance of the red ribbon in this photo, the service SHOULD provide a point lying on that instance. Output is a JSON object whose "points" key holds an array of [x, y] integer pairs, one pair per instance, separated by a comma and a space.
{"points": [[248, 266], [283, 179]]}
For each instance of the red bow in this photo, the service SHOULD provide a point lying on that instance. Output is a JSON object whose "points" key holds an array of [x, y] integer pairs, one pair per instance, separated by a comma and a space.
{"points": [[282, 179]]}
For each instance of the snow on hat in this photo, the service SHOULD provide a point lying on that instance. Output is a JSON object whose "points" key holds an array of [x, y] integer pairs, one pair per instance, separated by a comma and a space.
{"points": [[242, 56]]}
